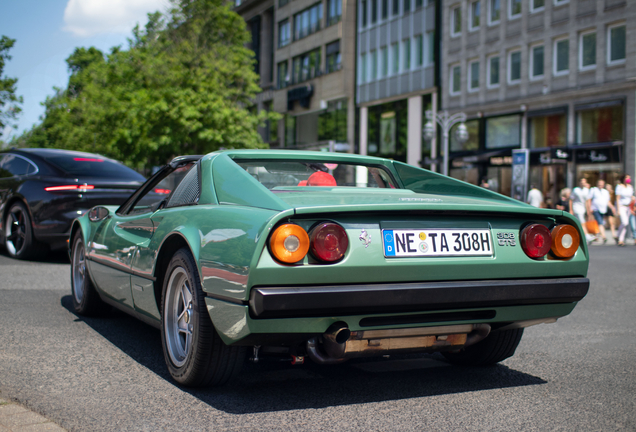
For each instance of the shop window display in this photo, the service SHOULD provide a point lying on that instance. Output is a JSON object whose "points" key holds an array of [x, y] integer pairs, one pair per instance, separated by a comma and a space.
{"points": [[332, 123], [388, 130], [503, 131], [547, 131], [600, 125]]}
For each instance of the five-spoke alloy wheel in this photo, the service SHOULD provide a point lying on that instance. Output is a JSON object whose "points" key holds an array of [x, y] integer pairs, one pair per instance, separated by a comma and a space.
{"points": [[18, 239], [194, 352]]}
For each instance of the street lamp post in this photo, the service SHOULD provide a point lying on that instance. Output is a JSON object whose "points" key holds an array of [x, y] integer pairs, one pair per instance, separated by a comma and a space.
{"points": [[446, 122]]}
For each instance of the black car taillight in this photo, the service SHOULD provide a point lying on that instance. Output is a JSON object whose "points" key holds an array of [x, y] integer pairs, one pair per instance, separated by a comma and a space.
{"points": [[76, 187], [329, 242]]}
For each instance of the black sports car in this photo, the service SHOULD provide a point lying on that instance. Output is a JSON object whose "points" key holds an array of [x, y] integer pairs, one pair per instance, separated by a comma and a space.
{"points": [[43, 190]]}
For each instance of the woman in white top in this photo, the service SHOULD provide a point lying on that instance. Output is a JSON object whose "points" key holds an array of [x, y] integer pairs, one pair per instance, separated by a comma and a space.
{"points": [[624, 192]]}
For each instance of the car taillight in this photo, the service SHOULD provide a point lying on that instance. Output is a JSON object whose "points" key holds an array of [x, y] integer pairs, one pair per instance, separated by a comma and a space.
{"points": [[536, 240], [565, 241], [329, 242], [69, 188], [289, 243]]}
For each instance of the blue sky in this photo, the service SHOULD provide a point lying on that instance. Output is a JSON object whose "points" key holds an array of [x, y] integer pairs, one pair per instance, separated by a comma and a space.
{"points": [[48, 31]]}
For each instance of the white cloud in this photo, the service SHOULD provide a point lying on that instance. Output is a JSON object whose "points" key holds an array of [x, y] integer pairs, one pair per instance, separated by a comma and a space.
{"points": [[86, 18]]}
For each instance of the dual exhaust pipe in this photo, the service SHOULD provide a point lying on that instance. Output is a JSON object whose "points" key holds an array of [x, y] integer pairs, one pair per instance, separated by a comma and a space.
{"points": [[339, 343]]}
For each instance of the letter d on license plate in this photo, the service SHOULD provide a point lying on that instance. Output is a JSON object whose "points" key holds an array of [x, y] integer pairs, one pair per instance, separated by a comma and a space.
{"points": [[437, 242]]}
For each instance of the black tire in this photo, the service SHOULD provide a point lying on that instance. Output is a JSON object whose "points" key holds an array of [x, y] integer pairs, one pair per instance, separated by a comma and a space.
{"points": [[86, 300], [498, 346], [19, 241], [200, 358]]}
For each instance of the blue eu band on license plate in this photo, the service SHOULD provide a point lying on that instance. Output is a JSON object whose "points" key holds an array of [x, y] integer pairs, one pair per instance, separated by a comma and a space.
{"points": [[437, 242]]}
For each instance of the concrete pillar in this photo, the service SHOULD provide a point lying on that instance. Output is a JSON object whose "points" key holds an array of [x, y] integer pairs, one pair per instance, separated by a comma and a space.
{"points": [[434, 139], [414, 131], [364, 130]]}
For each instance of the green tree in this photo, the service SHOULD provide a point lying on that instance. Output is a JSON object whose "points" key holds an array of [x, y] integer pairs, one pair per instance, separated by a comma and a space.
{"points": [[9, 102], [184, 86]]}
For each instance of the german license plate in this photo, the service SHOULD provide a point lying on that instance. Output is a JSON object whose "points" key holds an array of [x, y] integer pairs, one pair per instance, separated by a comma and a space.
{"points": [[436, 242]]}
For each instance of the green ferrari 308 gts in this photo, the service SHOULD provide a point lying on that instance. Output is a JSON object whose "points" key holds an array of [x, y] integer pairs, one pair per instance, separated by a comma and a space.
{"points": [[327, 256]]}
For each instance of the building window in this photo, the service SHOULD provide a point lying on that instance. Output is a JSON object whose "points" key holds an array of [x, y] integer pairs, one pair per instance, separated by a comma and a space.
{"points": [[503, 131], [418, 3], [306, 66], [334, 11], [334, 58], [616, 44], [514, 9], [430, 47], [396, 7], [537, 5], [374, 11], [363, 13], [471, 144], [387, 129], [475, 15], [308, 21], [284, 33], [547, 131], [536, 62], [407, 5], [332, 123], [395, 53], [385, 61], [514, 67], [406, 49], [473, 78], [456, 21], [373, 59], [290, 130], [493, 72], [363, 68], [494, 12], [283, 72], [282, 3], [419, 49], [560, 2], [600, 125], [587, 51], [456, 80], [385, 9], [561, 56]]}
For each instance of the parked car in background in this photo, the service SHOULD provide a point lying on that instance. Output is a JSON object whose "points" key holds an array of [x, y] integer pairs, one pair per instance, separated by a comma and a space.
{"points": [[326, 256], [43, 190]]}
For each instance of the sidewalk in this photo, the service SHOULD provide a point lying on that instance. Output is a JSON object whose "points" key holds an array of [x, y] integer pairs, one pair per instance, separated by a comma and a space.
{"points": [[16, 418]]}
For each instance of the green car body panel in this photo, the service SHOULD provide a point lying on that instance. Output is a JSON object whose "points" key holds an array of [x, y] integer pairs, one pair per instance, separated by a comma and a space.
{"points": [[227, 232]]}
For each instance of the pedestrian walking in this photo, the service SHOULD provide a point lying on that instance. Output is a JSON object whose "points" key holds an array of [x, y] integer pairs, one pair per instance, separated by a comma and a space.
{"points": [[578, 205], [632, 218], [598, 203], [564, 200], [535, 197], [611, 212], [624, 194]]}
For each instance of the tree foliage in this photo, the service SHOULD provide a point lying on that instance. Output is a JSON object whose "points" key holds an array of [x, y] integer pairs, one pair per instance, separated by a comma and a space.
{"points": [[9, 102], [184, 86]]}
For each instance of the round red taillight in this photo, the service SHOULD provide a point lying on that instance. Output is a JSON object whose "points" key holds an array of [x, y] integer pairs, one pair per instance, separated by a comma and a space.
{"points": [[536, 240], [329, 242]]}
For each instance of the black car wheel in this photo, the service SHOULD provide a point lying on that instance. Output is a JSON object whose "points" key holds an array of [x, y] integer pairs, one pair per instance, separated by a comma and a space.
{"points": [[194, 353], [498, 346], [86, 300], [18, 233]]}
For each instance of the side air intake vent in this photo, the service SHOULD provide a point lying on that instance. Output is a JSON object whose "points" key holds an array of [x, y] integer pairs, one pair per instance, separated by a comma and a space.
{"points": [[188, 190]]}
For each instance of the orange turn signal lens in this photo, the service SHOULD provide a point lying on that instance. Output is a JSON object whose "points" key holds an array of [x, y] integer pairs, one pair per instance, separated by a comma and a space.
{"points": [[289, 243], [565, 241]]}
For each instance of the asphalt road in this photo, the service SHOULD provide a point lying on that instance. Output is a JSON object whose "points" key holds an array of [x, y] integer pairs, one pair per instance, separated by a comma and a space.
{"points": [[108, 374]]}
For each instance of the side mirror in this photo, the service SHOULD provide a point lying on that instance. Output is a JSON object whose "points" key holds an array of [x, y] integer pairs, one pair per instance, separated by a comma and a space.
{"points": [[97, 214]]}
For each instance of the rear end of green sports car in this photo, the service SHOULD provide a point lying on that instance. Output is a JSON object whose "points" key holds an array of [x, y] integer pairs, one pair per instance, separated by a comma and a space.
{"points": [[417, 263]]}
